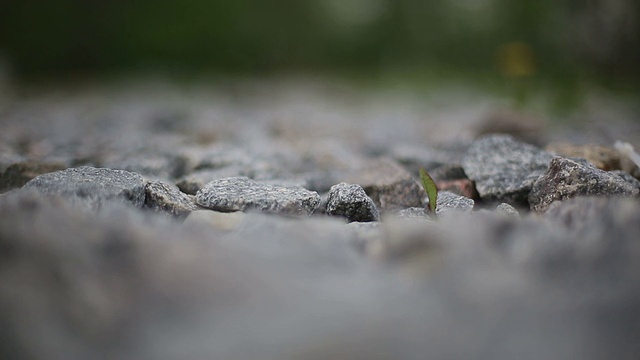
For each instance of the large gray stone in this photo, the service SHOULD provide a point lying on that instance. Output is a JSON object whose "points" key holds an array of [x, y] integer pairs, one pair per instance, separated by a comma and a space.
{"points": [[504, 169], [566, 178], [242, 193], [91, 187], [350, 201]]}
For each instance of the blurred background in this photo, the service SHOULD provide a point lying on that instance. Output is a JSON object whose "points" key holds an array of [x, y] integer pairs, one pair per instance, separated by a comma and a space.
{"points": [[558, 40]]}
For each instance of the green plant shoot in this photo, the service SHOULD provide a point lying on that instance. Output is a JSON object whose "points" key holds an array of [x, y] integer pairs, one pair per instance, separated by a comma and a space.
{"points": [[431, 189]]}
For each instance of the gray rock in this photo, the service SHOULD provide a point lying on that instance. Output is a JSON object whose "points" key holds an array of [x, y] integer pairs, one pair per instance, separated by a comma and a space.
{"points": [[448, 172], [388, 184], [413, 212], [504, 169], [350, 201], [91, 187], [566, 178], [507, 209], [242, 193], [166, 198], [627, 177], [449, 202]]}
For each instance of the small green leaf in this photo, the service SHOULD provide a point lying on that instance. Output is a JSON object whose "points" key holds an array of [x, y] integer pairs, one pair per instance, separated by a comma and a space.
{"points": [[431, 189]]}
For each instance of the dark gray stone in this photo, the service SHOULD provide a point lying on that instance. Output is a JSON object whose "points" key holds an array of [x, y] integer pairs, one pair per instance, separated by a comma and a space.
{"points": [[448, 172], [504, 169], [350, 201], [91, 187], [566, 178], [242, 193], [166, 198], [449, 202], [388, 184]]}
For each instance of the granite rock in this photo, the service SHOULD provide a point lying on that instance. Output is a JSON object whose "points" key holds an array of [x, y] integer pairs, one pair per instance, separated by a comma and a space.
{"points": [[504, 169], [602, 157], [242, 193], [91, 187], [191, 183], [351, 201], [507, 209], [566, 178], [449, 202], [166, 198], [627, 177]]}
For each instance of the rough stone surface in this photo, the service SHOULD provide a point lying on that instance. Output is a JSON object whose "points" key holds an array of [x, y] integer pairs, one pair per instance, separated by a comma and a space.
{"points": [[242, 193], [351, 202], [566, 178], [627, 177], [91, 186], [504, 169], [388, 184], [448, 202], [166, 198], [18, 174]]}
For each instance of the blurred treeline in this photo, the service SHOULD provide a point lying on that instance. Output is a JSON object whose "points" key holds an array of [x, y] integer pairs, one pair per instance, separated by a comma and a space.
{"points": [[553, 38]]}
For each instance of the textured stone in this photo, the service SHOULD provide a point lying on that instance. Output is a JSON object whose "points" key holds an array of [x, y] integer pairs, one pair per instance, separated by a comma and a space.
{"points": [[449, 202], [388, 184], [18, 174], [242, 193], [448, 172], [627, 177], [91, 187], [350, 201], [566, 178], [413, 212], [504, 169], [166, 198]]}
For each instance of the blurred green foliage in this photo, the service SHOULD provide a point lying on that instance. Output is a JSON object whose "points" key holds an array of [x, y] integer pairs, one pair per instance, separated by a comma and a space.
{"points": [[565, 37]]}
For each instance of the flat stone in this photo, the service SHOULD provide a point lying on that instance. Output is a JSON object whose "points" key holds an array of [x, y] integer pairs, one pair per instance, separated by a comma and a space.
{"points": [[351, 201], [242, 193], [91, 187], [388, 184], [504, 169], [449, 202], [166, 198], [566, 178], [18, 174]]}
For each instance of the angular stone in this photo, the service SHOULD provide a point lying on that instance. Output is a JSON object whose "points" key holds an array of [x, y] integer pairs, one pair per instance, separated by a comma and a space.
{"points": [[504, 169], [163, 197], [449, 202], [389, 185], [566, 178], [18, 174], [350, 201], [242, 193], [90, 186]]}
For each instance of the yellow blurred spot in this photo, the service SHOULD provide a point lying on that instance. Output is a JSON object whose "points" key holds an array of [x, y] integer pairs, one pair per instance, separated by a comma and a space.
{"points": [[516, 59]]}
